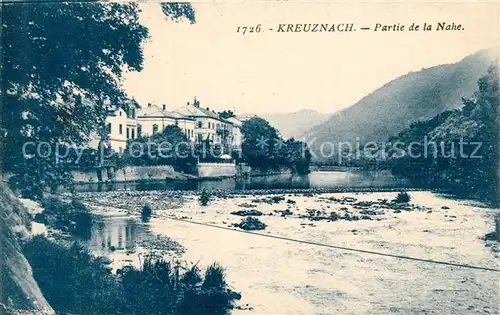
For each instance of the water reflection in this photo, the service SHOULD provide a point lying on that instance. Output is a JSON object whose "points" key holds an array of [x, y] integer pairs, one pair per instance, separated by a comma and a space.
{"points": [[350, 178], [110, 233]]}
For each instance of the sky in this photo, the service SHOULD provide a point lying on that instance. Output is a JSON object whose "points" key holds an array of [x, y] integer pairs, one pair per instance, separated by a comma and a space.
{"points": [[272, 72]]}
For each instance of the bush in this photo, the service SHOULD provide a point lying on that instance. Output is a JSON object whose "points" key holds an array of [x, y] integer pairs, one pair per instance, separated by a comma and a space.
{"points": [[251, 224], [73, 217], [146, 213], [72, 280], [88, 287], [215, 277], [402, 197], [204, 197]]}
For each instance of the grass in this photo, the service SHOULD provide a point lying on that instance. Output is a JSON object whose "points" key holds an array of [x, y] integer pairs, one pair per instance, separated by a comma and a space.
{"points": [[402, 197], [88, 287]]}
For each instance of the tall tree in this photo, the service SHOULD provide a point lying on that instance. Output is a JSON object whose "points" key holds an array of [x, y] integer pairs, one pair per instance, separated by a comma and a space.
{"points": [[60, 63], [264, 149]]}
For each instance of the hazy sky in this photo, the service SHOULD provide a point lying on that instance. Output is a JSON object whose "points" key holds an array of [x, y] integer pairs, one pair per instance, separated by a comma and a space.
{"points": [[283, 72]]}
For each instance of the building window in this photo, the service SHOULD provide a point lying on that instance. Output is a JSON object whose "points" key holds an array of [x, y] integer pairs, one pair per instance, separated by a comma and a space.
{"points": [[108, 128], [120, 129], [133, 133], [200, 124], [155, 129], [139, 130], [120, 112], [128, 132], [133, 113]]}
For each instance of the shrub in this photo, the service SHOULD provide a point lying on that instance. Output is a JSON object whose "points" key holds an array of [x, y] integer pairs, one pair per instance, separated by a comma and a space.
{"points": [[88, 287], [402, 197], [215, 277], [250, 224], [72, 280], [146, 213], [73, 217], [204, 197]]}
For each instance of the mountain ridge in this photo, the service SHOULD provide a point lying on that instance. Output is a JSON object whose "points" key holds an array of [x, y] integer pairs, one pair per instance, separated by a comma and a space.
{"points": [[417, 95]]}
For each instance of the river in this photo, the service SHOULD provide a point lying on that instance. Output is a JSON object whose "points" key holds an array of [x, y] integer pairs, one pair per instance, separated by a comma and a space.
{"points": [[350, 178], [277, 276]]}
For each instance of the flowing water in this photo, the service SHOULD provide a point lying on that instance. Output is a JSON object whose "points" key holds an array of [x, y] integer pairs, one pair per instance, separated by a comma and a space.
{"points": [[350, 178], [284, 277]]}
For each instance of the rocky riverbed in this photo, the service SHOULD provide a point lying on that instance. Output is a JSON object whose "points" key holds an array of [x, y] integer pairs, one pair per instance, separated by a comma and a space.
{"points": [[282, 276]]}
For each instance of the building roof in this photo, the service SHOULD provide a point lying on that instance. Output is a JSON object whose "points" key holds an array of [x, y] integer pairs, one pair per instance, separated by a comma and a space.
{"points": [[235, 121], [195, 110], [155, 111]]}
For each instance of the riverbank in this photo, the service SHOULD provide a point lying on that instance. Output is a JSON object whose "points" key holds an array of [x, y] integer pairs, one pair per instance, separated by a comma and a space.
{"points": [[277, 276]]}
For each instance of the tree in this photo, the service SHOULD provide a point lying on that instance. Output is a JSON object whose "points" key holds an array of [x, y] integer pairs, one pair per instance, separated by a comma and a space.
{"points": [[226, 114], [263, 148], [170, 147], [296, 156], [469, 169], [260, 142], [61, 62]]}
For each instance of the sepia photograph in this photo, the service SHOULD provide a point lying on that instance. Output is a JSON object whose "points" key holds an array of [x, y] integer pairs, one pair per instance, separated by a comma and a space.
{"points": [[249, 157]]}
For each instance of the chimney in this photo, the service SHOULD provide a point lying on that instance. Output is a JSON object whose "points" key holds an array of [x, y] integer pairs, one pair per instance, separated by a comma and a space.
{"points": [[164, 107], [188, 103], [149, 104], [208, 108]]}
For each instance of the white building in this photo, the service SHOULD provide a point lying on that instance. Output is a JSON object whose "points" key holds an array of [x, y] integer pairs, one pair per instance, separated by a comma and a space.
{"points": [[236, 134], [153, 119], [198, 124], [210, 126], [121, 125]]}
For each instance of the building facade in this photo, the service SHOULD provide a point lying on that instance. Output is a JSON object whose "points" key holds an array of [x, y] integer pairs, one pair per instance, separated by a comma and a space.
{"points": [[198, 124], [152, 120], [121, 126], [211, 127]]}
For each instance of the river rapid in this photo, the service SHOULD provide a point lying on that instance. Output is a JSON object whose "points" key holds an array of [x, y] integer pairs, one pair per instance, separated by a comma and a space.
{"points": [[277, 276]]}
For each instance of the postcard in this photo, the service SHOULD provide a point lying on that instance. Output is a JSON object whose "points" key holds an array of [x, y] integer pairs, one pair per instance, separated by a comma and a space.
{"points": [[249, 157]]}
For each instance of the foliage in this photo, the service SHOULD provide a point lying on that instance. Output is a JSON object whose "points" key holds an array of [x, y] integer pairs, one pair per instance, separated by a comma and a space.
{"points": [[204, 197], [146, 213], [388, 110], [170, 147], [402, 197], [88, 287], [73, 217], [72, 280], [160, 288], [263, 148], [178, 10], [82, 50], [215, 277], [226, 114], [449, 164]]}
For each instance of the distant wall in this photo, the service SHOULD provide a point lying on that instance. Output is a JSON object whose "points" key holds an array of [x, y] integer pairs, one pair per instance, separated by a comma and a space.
{"points": [[129, 173], [216, 170], [89, 176]]}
